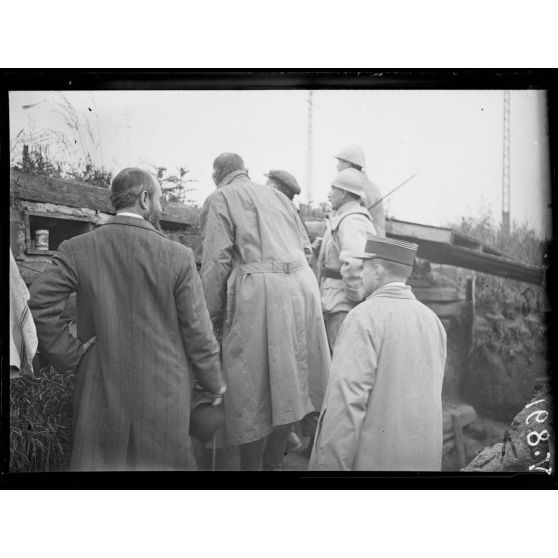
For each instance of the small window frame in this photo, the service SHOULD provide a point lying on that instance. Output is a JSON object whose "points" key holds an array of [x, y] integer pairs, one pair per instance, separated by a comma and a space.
{"points": [[28, 214]]}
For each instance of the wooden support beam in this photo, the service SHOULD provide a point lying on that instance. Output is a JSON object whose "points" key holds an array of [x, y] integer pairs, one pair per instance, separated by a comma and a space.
{"points": [[436, 294], [40, 188], [477, 261], [459, 442]]}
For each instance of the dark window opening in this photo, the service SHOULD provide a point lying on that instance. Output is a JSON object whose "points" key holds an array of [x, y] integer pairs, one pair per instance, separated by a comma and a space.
{"points": [[59, 229]]}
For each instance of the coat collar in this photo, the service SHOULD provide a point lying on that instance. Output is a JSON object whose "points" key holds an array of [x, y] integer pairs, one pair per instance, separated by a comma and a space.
{"points": [[344, 210], [133, 222], [393, 291], [353, 204], [228, 178]]}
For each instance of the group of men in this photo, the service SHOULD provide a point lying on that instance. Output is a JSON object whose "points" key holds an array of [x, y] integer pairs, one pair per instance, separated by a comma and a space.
{"points": [[257, 332]]}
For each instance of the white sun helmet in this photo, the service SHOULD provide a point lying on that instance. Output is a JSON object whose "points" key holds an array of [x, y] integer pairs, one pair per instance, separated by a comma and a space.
{"points": [[352, 154], [349, 180]]}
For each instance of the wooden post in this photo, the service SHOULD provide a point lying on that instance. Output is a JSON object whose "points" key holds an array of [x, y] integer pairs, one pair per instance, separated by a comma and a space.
{"points": [[469, 325], [26, 161], [459, 442], [470, 300]]}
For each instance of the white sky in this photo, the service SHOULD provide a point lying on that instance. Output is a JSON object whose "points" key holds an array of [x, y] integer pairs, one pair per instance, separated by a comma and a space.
{"points": [[453, 138]]}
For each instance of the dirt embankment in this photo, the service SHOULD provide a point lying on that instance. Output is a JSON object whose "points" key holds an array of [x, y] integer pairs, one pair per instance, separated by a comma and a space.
{"points": [[527, 446]]}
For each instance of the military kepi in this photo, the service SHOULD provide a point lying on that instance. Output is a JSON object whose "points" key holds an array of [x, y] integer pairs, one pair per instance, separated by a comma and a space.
{"points": [[389, 249]]}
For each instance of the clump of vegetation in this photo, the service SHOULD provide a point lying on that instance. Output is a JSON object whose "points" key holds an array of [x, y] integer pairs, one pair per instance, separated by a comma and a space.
{"points": [[72, 151], [314, 213], [509, 352], [176, 187], [39, 160], [41, 421]]}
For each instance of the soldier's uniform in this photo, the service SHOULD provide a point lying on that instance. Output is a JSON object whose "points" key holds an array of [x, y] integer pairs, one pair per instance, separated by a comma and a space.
{"points": [[353, 155], [339, 278]]}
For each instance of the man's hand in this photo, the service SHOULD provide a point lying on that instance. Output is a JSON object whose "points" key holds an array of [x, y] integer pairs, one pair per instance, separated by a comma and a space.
{"points": [[316, 245], [85, 347], [219, 398], [88, 344]]}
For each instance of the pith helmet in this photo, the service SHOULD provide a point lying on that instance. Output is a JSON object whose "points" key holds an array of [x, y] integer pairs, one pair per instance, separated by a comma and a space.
{"points": [[353, 154], [285, 178], [349, 180]]}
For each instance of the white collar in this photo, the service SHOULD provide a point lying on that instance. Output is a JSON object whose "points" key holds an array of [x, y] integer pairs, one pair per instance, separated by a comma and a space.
{"points": [[128, 214], [398, 283]]}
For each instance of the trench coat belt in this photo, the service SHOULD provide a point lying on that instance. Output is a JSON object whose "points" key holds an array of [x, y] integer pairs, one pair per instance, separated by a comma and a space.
{"points": [[331, 273], [257, 267], [271, 267]]}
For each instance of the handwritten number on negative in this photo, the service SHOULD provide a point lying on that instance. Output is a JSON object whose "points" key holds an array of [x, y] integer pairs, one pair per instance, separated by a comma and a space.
{"points": [[538, 419], [537, 466]]}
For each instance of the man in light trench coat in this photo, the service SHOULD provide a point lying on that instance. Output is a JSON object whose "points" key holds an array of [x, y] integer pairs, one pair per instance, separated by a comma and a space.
{"points": [[140, 297], [383, 406], [264, 298]]}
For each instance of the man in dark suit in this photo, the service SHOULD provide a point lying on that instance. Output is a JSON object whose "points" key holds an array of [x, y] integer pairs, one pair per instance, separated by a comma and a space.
{"points": [[140, 295]]}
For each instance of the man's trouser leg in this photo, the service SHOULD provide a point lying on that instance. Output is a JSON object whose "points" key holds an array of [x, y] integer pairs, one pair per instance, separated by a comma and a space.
{"points": [[269, 450], [275, 447], [251, 455], [333, 323]]}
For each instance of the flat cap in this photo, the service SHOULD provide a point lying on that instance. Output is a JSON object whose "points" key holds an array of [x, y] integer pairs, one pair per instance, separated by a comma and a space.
{"points": [[286, 178], [389, 249]]}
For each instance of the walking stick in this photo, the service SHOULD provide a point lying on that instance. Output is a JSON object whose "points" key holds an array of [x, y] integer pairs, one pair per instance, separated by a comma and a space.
{"points": [[213, 456]]}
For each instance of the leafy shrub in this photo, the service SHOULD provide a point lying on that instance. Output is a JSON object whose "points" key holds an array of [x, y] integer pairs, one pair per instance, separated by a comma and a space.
{"points": [[509, 335]]}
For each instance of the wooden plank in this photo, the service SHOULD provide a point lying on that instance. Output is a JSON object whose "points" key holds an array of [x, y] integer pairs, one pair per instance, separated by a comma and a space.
{"points": [[460, 239], [40, 188], [35, 187], [436, 294], [477, 261], [177, 213], [466, 241], [446, 309], [418, 232], [466, 413], [459, 442], [53, 213]]}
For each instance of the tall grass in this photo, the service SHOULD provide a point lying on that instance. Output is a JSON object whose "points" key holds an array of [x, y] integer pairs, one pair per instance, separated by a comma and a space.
{"points": [[41, 421]]}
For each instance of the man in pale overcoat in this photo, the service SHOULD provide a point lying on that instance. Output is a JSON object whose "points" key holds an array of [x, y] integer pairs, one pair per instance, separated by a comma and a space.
{"points": [[383, 407], [263, 296], [346, 231], [140, 295]]}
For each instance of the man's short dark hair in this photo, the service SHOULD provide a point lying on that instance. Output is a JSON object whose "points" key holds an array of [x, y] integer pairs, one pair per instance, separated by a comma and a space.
{"points": [[225, 164], [396, 269], [128, 184], [356, 197]]}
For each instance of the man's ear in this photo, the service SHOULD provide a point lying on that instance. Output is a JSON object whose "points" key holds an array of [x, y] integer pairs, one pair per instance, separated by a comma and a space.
{"points": [[143, 199], [378, 269]]}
